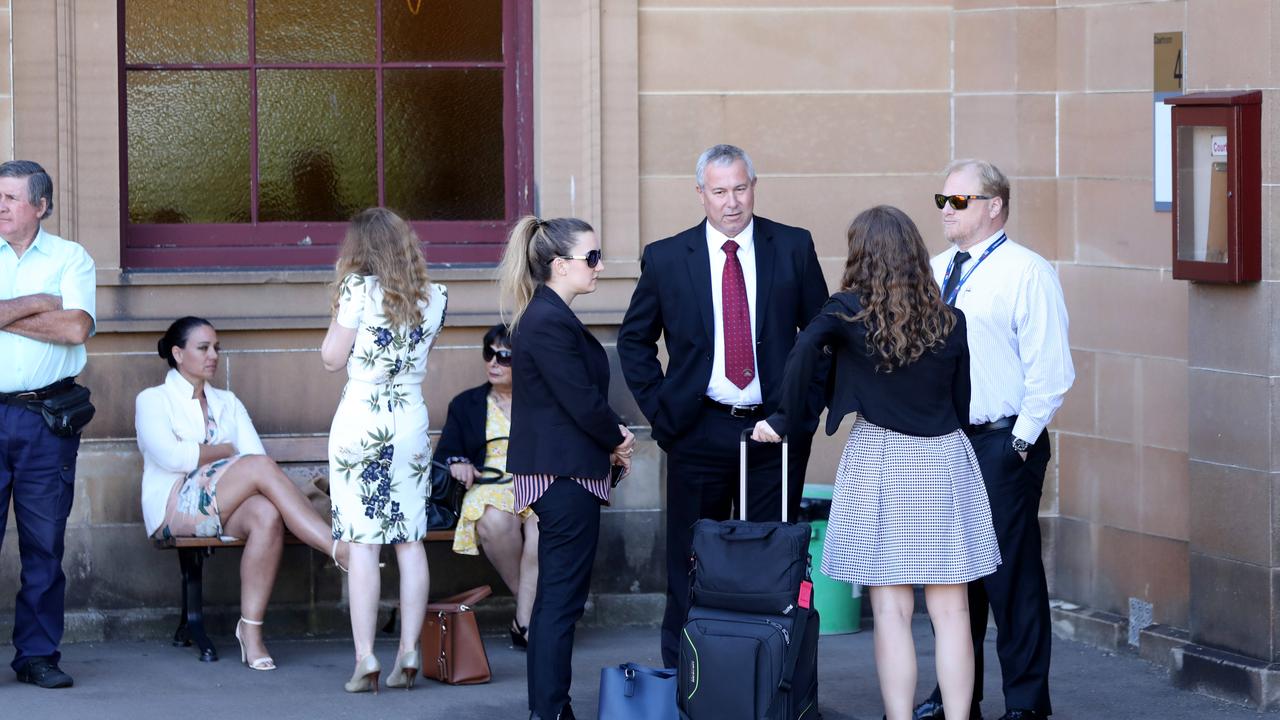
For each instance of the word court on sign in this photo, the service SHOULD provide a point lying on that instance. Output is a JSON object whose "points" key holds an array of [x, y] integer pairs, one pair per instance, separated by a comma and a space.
{"points": [[1218, 145]]}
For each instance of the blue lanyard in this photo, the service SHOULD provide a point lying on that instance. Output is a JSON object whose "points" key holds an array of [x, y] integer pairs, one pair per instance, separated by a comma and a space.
{"points": [[951, 299]]}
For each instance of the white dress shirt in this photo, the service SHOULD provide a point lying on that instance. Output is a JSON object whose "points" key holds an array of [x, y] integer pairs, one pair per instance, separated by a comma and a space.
{"points": [[57, 267], [1020, 360], [719, 388], [171, 428]]}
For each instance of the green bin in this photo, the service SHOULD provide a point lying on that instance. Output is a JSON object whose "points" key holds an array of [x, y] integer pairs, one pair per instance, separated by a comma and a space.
{"points": [[839, 603]]}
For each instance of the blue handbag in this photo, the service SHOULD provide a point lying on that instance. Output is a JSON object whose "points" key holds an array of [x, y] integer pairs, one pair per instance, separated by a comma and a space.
{"points": [[635, 692]]}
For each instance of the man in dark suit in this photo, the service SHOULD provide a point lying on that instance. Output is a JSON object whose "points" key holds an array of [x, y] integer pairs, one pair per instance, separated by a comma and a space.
{"points": [[728, 296]]}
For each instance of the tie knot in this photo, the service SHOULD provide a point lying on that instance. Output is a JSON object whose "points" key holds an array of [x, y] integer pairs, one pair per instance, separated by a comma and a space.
{"points": [[730, 247], [962, 258]]}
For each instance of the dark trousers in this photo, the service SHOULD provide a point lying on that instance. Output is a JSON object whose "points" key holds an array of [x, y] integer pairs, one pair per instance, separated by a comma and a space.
{"points": [[568, 531], [702, 482], [38, 471], [1016, 592]]}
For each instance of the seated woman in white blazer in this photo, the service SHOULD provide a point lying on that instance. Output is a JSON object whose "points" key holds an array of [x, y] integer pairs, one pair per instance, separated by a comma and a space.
{"points": [[205, 474]]}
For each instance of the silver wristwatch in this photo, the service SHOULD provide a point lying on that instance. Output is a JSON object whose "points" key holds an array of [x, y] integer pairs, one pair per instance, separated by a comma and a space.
{"points": [[1020, 445]]}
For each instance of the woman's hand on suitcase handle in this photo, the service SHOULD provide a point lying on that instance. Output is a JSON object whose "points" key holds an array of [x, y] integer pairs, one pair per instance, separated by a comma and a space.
{"points": [[764, 433]]}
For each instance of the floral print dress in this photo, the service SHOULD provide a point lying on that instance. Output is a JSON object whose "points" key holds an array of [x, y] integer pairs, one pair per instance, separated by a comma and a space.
{"points": [[379, 454]]}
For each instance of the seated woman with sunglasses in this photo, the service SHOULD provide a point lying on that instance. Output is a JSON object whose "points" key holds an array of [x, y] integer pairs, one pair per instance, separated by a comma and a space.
{"points": [[474, 445]]}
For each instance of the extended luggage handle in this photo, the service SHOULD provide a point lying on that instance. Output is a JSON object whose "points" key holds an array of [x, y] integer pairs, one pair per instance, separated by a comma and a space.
{"points": [[742, 474]]}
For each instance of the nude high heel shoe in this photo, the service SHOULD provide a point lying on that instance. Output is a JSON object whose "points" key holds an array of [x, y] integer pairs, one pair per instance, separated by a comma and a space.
{"points": [[405, 671], [365, 677], [262, 663]]}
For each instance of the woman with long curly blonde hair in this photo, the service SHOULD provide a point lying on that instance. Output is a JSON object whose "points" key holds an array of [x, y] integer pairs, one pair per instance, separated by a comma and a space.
{"points": [[909, 505], [387, 315]]}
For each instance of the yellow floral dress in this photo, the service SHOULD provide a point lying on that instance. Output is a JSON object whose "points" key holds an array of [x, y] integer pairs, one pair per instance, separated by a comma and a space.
{"points": [[499, 495]]}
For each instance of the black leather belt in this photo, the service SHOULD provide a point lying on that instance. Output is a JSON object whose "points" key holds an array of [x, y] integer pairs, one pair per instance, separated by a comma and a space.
{"points": [[1001, 424], [738, 411], [30, 396]]}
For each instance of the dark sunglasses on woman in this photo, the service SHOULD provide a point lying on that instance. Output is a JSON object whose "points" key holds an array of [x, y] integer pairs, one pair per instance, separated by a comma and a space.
{"points": [[504, 356], [959, 202], [592, 257]]}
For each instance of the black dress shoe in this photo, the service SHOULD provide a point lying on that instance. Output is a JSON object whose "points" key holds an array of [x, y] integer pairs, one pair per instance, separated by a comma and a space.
{"points": [[928, 710], [42, 673], [1024, 715], [932, 710]]}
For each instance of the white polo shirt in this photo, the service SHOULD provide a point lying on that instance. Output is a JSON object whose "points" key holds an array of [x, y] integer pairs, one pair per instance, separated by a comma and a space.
{"points": [[57, 267]]}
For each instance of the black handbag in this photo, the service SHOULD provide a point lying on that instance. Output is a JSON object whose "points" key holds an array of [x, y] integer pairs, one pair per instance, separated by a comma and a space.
{"points": [[66, 413], [447, 493]]}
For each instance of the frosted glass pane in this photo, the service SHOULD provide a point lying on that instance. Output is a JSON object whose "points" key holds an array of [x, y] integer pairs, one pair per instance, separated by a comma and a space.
{"points": [[186, 31], [317, 144], [443, 156], [316, 31], [188, 135], [441, 30]]}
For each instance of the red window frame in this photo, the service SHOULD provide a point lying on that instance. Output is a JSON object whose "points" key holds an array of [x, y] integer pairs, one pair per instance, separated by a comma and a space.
{"points": [[274, 244]]}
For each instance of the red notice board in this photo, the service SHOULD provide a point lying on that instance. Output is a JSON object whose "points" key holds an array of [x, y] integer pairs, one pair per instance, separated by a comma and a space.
{"points": [[1217, 186]]}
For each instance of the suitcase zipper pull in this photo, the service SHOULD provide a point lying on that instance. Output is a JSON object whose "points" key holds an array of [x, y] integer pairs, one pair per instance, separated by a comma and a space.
{"points": [[786, 636]]}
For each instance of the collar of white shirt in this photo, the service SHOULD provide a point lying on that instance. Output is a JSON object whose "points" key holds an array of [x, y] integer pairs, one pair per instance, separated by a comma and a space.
{"points": [[977, 250], [716, 239], [35, 244]]}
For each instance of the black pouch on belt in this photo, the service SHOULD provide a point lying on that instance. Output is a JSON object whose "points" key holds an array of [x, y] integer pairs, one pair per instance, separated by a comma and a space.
{"points": [[67, 412]]}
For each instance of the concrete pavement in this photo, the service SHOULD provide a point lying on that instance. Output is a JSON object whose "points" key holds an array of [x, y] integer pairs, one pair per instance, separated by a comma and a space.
{"points": [[150, 679]]}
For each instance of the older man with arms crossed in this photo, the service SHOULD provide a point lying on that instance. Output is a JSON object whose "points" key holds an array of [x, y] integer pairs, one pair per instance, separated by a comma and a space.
{"points": [[728, 296], [47, 288], [1021, 368]]}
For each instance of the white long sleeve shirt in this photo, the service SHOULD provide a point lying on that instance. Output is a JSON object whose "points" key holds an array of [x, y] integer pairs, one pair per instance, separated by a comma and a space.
{"points": [[1020, 359]]}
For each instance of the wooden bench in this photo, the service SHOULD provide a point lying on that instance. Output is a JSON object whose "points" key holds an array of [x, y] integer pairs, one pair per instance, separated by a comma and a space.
{"points": [[191, 554]]}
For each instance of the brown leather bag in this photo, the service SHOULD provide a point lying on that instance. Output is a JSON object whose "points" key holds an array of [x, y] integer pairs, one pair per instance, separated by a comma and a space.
{"points": [[452, 651]]}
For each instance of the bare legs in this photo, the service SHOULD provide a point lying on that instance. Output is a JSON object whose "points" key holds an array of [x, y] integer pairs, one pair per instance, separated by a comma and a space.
{"points": [[259, 475], [514, 555], [365, 589], [257, 521], [895, 652], [953, 639]]}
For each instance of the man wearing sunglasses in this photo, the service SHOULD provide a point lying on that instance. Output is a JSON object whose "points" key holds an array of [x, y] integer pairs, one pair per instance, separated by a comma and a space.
{"points": [[1021, 368], [728, 297]]}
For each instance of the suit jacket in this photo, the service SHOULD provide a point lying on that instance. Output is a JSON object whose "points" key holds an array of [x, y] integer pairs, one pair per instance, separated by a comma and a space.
{"points": [[171, 428], [463, 433], [561, 422], [929, 397], [672, 300]]}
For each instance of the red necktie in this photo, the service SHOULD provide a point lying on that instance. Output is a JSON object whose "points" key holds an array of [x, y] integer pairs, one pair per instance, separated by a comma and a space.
{"points": [[739, 360]]}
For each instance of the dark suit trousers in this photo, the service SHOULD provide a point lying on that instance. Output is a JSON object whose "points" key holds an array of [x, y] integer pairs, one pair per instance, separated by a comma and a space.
{"points": [[38, 471], [568, 531], [702, 482], [1016, 592]]}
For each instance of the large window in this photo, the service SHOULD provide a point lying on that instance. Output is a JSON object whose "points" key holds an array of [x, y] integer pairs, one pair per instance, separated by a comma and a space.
{"points": [[253, 129]]}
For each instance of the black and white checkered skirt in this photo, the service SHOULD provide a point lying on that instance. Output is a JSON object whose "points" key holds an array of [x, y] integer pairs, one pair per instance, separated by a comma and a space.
{"points": [[909, 510]]}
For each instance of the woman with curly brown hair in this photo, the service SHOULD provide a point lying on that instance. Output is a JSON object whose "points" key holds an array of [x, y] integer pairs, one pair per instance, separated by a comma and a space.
{"points": [[909, 506], [387, 315]]}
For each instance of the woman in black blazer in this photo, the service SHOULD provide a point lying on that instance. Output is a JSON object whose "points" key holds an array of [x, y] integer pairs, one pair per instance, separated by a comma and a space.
{"points": [[475, 437], [909, 506], [564, 436]]}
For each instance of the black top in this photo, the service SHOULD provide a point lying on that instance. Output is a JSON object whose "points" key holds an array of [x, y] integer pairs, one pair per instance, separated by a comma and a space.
{"points": [[672, 301], [561, 422], [463, 434], [929, 397]]}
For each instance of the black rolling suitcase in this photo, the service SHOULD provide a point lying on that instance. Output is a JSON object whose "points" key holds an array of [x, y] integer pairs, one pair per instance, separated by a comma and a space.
{"points": [[750, 644]]}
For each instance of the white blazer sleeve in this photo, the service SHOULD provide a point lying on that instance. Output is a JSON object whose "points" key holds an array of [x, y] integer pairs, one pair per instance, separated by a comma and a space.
{"points": [[156, 438], [247, 440]]}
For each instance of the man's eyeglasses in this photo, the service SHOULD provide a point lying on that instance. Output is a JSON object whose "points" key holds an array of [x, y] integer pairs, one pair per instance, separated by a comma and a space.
{"points": [[959, 202], [503, 356], [592, 258]]}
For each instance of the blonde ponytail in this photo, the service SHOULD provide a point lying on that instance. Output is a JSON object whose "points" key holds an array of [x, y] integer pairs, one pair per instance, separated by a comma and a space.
{"points": [[526, 264]]}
